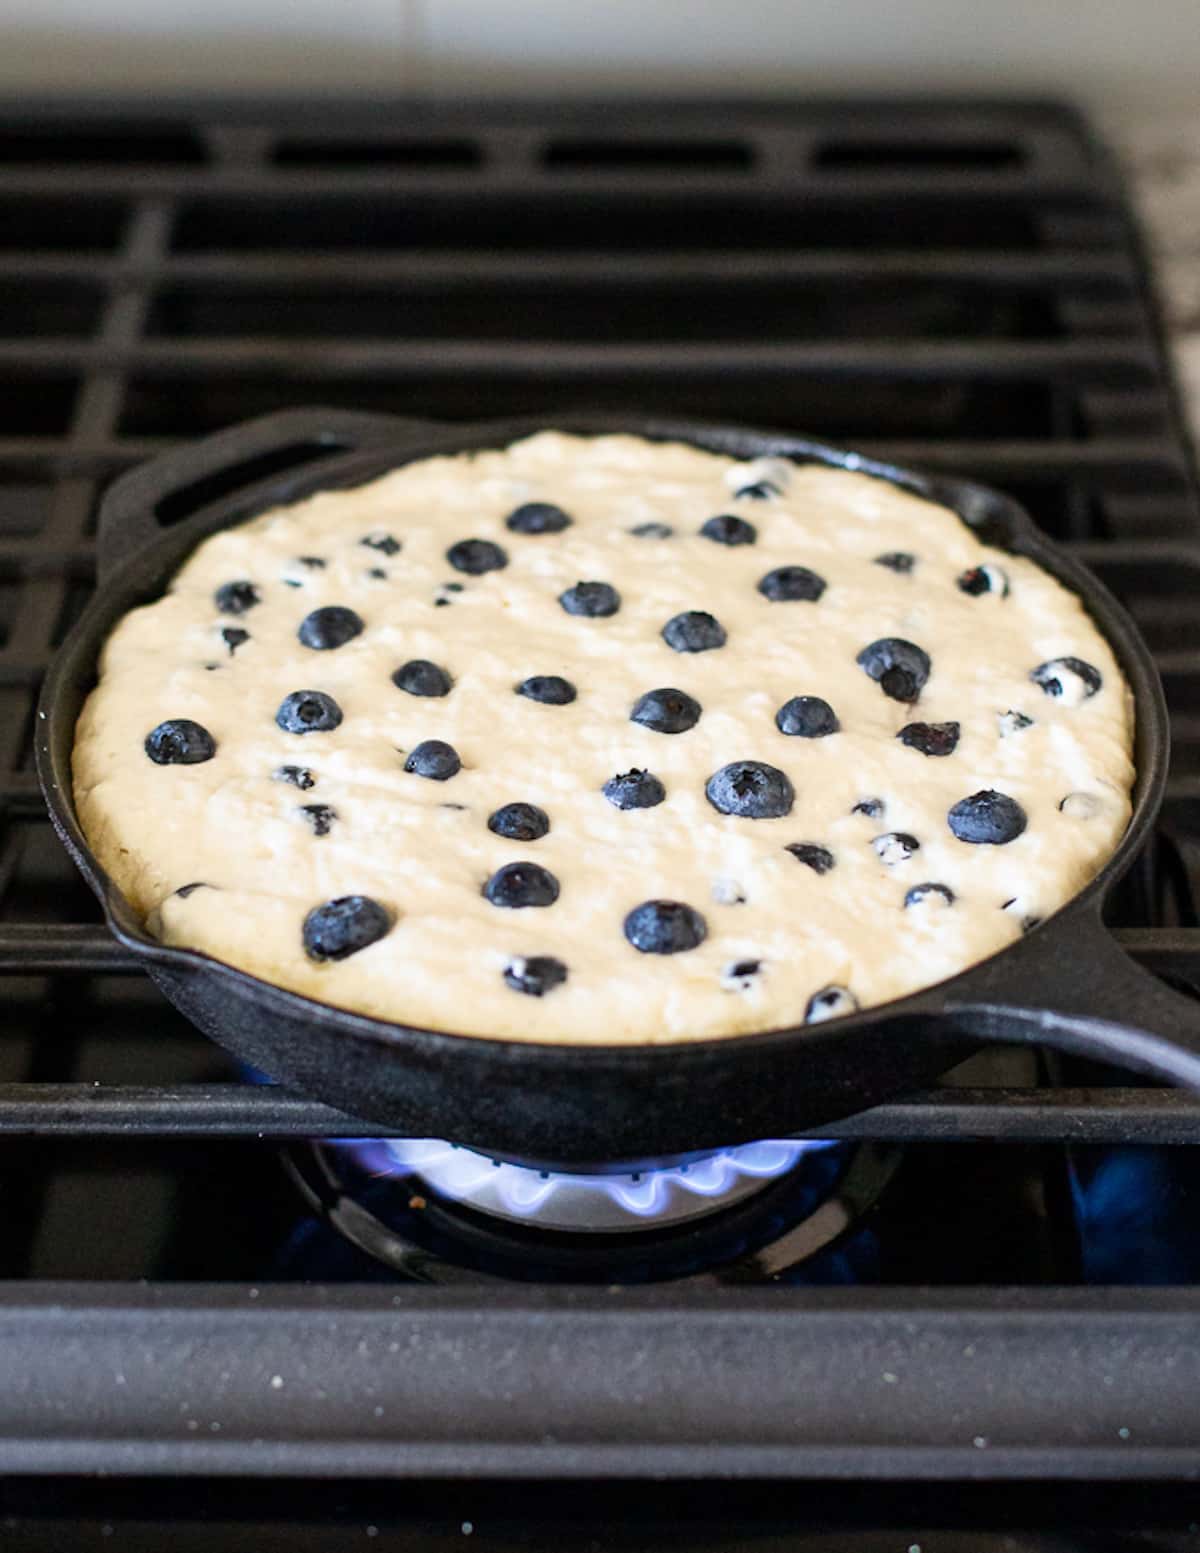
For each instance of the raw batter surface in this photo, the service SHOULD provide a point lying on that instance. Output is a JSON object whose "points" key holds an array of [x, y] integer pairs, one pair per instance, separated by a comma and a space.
{"points": [[598, 739]]}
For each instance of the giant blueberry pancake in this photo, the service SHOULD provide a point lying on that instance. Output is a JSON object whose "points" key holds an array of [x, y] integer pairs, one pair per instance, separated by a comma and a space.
{"points": [[599, 739]]}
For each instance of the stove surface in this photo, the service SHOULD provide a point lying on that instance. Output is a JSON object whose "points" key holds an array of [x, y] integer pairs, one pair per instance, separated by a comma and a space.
{"points": [[1015, 1298]]}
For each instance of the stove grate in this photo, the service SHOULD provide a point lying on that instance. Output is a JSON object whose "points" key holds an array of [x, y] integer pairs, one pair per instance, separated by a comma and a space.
{"points": [[958, 286]]}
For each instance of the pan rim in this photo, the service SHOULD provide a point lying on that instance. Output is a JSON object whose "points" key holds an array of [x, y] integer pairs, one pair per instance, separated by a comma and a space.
{"points": [[1151, 732]]}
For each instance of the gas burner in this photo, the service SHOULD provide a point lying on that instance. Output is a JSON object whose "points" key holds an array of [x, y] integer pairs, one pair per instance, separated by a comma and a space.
{"points": [[439, 1212], [642, 1199]]}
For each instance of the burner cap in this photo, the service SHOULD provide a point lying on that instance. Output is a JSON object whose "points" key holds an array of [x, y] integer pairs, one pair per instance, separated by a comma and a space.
{"points": [[752, 1214], [641, 1199]]}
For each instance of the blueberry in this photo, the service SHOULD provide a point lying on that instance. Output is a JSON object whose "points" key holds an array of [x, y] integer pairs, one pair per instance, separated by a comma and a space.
{"points": [[899, 668], [978, 580], [897, 846], [792, 585], [872, 807], [538, 517], [1011, 722], [384, 543], [751, 790], [1069, 680], [924, 892], [435, 760], [235, 598], [693, 631], [739, 977], [666, 711], [535, 976], [453, 587], [332, 626], [729, 530], [308, 711], [594, 599], [185, 890], [378, 573], [180, 742], [807, 717], [769, 475], [519, 822], [419, 677], [343, 926], [829, 1003], [297, 776], [1018, 908], [652, 531], [521, 884], [819, 859], [233, 637], [1081, 806], [313, 562], [930, 738], [549, 689], [476, 556], [319, 816], [987, 818], [665, 927], [634, 789], [897, 561]]}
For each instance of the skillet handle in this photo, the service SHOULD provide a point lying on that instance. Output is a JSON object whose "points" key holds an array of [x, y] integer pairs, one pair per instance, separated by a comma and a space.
{"points": [[1071, 987], [143, 503]]}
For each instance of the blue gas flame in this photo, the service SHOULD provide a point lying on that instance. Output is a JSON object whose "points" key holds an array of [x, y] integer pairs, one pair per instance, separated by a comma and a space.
{"points": [[522, 1191]]}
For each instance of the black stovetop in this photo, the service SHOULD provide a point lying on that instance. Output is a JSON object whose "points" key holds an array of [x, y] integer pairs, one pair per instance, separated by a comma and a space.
{"points": [[955, 286]]}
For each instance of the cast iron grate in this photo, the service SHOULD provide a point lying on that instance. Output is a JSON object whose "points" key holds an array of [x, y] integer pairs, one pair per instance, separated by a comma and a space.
{"points": [[958, 287]]}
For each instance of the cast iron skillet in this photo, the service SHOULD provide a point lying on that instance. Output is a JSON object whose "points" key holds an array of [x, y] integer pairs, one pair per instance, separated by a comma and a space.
{"points": [[1065, 985]]}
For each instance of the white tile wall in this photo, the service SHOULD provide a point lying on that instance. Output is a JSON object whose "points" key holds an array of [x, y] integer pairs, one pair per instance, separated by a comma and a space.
{"points": [[223, 45], [1132, 50], [1118, 53]]}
